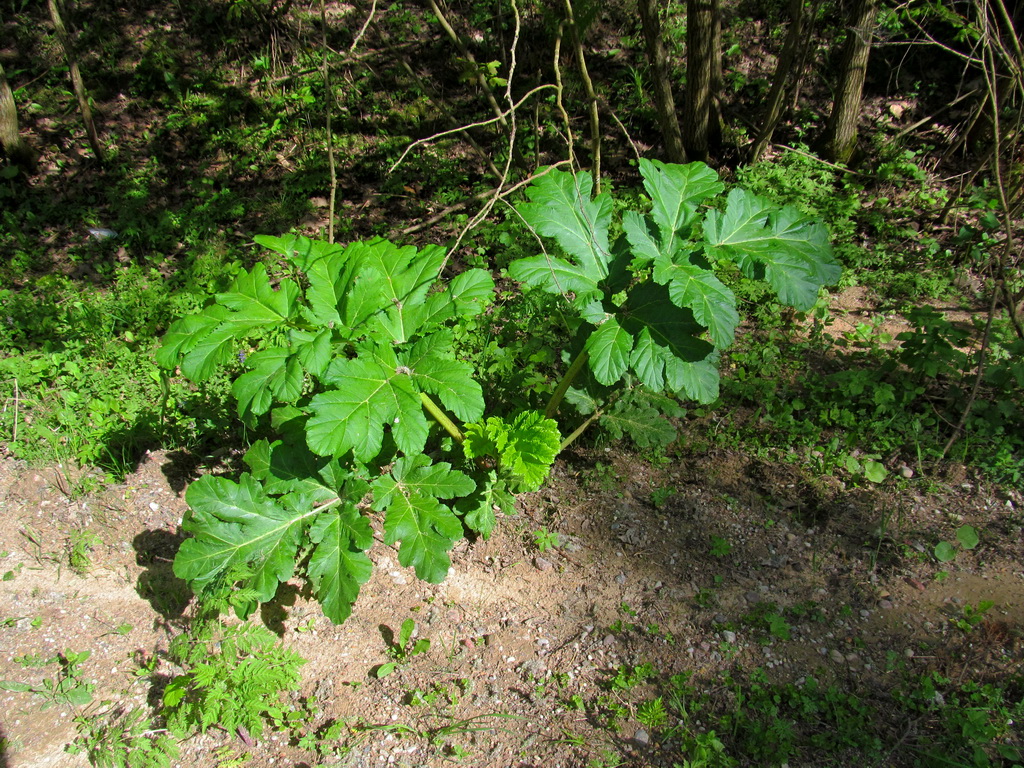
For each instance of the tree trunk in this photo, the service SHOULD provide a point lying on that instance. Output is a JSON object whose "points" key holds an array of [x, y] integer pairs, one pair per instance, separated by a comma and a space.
{"points": [[76, 77], [840, 139], [701, 122], [796, 40], [588, 88], [10, 137], [664, 101]]}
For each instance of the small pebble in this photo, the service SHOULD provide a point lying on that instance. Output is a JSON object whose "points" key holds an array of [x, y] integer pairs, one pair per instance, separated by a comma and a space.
{"points": [[542, 564], [885, 604], [836, 656], [729, 637], [641, 738]]}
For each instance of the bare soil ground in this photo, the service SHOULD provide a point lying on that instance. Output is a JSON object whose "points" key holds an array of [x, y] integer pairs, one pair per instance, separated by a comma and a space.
{"points": [[515, 632]]}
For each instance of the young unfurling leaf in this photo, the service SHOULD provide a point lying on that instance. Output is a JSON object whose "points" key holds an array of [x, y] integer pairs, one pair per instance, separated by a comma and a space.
{"points": [[525, 448]]}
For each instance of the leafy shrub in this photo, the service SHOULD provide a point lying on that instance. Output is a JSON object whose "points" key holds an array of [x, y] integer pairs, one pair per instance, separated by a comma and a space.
{"points": [[348, 363]]}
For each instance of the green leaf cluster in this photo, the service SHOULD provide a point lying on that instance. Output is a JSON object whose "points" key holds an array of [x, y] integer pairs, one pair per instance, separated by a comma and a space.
{"points": [[123, 739], [234, 680], [650, 304], [347, 361], [343, 357]]}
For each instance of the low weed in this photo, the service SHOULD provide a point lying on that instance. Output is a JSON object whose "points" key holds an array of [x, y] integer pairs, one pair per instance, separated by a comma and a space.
{"points": [[854, 411], [233, 679], [80, 548], [972, 615], [545, 539], [966, 538], [123, 738], [745, 718], [401, 648], [66, 688]]}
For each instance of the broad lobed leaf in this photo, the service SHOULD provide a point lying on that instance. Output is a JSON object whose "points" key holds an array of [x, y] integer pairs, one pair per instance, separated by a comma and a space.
{"points": [[788, 248], [237, 524], [524, 447], [426, 528], [561, 207], [370, 391], [676, 191], [338, 565]]}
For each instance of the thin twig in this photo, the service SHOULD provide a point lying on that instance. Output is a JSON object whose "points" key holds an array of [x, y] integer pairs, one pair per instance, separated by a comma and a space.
{"points": [[513, 127], [632, 144], [558, 95], [464, 128], [445, 212], [362, 30], [826, 162], [481, 79], [17, 399], [978, 376], [588, 88], [431, 92]]}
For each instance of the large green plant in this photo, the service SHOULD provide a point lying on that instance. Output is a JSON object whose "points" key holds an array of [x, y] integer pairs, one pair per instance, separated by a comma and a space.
{"points": [[649, 303], [348, 362]]}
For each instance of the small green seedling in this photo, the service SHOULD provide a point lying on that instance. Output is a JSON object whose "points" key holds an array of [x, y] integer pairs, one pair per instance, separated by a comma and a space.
{"points": [[121, 630], [66, 688], [79, 555], [660, 496], [651, 714], [867, 467], [967, 538], [401, 649], [627, 677], [972, 615], [545, 539], [720, 547]]}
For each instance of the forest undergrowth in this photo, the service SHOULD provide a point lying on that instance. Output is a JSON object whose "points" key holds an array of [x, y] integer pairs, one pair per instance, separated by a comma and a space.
{"points": [[371, 272]]}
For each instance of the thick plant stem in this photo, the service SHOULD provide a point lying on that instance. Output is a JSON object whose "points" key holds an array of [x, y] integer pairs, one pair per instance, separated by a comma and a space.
{"points": [[441, 418], [565, 383], [10, 137], [664, 101], [579, 430]]}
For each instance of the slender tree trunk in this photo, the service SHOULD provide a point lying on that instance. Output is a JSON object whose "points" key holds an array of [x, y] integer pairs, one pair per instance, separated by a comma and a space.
{"points": [[76, 77], [588, 87], [840, 139], [664, 101], [796, 39], [700, 66], [10, 137], [717, 78]]}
